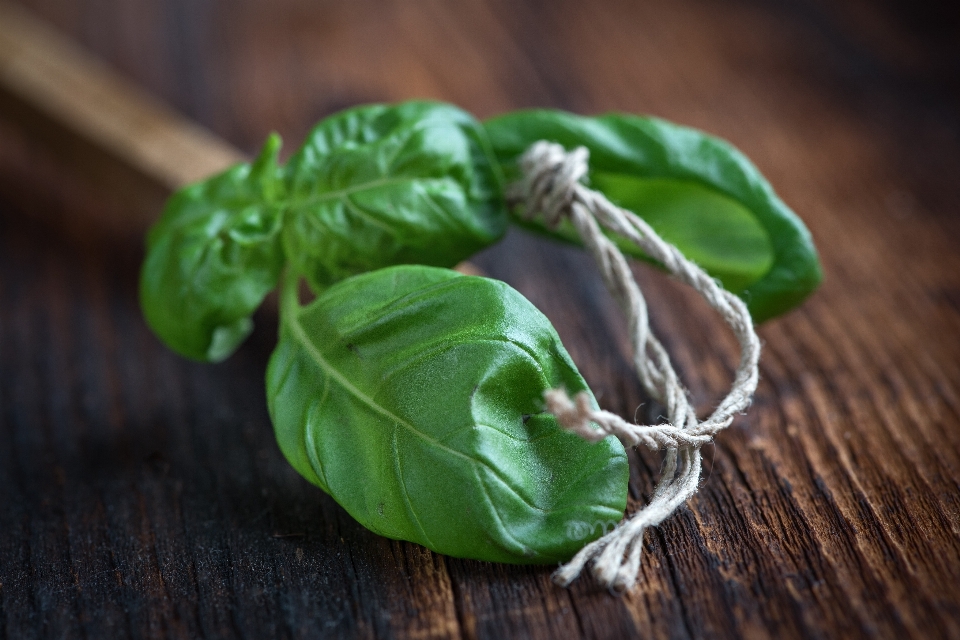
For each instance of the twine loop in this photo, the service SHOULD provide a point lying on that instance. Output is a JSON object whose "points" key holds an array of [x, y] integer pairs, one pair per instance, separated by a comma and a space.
{"points": [[552, 186], [550, 180]]}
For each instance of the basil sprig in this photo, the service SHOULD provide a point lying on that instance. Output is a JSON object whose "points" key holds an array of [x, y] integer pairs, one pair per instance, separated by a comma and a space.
{"points": [[371, 187], [409, 393]]}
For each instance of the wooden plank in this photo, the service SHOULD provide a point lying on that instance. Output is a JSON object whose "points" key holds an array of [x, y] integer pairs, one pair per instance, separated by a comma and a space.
{"points": [[142, 495]]}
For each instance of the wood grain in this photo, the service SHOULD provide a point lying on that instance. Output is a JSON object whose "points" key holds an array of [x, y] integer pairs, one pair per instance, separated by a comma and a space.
{"points": [[144, 496]]}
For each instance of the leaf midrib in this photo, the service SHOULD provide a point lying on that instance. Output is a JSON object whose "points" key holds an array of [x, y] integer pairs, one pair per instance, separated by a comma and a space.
{"points": [[330, 370], [349, 191]]}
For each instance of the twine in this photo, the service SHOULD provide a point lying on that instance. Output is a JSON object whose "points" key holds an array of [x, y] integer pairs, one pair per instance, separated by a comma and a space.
{"points": [[552, 186]]}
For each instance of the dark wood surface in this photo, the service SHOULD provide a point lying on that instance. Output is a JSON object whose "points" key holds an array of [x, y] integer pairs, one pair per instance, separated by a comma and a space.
{"points": [[144, 496]]}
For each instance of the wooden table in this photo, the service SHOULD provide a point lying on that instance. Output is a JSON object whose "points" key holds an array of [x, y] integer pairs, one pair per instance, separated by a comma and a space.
{"points": [[144, 496]]}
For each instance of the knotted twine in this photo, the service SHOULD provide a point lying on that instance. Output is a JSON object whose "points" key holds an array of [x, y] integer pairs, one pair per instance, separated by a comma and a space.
{"points": [[552, 186]]}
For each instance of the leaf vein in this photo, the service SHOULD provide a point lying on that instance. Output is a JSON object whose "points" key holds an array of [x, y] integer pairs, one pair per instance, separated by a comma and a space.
{"points": [[403, 487]]}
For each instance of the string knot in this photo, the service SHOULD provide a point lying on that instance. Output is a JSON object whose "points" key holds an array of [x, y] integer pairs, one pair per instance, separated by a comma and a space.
{"points": [[550, 179], [551, 185], [573, 415]]}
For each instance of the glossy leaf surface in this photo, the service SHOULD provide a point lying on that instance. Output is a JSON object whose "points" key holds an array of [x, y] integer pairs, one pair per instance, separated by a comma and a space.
{"points": [[413, 396], [697, 191], [213, 256], [381, 185]]}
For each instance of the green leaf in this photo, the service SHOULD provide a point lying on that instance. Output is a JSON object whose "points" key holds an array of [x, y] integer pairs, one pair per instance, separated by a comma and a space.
{"points": [[413, 396], [381, 185], [213, 256], [695, 190]]}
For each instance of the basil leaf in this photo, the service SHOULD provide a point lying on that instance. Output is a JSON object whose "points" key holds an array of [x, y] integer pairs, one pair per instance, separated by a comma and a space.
{"points": [[413, 396], [381, 185], [697, 191], [213, 256]]}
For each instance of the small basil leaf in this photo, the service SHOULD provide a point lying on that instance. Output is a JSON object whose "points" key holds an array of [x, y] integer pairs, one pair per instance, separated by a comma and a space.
{"points": [[213, 256], [413, 396], [380, 185], [695, 190]]}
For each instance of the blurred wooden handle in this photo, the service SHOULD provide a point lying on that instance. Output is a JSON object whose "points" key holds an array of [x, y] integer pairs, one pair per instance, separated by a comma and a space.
{"points": [[102, 124]]}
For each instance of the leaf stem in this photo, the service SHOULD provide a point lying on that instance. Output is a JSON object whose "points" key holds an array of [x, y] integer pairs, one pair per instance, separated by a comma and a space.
{"points": [[289, 295]]}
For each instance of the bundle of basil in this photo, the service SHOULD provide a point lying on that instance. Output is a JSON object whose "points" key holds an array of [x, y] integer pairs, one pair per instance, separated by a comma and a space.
{"points": [[412, 394]]}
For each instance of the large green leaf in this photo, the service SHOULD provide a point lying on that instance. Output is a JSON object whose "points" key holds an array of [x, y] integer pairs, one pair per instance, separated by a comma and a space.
{"points": [[381, 185], [697, 191], [413, 396], [213, 256]]}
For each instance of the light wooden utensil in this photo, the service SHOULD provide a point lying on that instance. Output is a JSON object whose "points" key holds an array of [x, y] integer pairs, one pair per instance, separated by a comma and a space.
{"points": [[103, 125]]}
